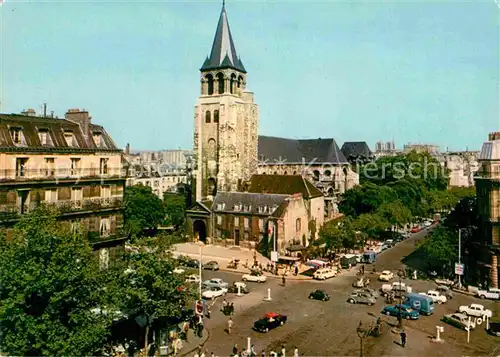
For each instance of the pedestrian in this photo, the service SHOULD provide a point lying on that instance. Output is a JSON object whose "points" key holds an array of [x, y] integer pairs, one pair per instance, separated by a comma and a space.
{"points": [[186, 331], [203, 354], [296, 270], [235, 349], [212, 354], [403, 338], [283, 280], [263, 354], [252, 351], [177, 345], [283, 351], [229, 326], [224, 306], [295, 352], [272, 354]]}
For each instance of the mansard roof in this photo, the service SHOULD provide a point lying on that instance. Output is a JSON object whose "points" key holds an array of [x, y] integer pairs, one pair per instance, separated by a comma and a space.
{"points": [[252, 200], [356, 149], [223, 54], [31, 126], [284, 184], [276, 150]]}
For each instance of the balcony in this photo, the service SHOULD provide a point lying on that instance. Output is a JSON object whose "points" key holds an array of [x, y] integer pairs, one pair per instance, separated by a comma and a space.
{"points": [[95, 238], [13, 211], [53, 174]]}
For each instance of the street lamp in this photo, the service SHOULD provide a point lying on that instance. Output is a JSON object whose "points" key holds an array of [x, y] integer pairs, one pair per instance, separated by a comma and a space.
{"points": [[200, 267], [460, 255], [400, 316], [362, 334]]}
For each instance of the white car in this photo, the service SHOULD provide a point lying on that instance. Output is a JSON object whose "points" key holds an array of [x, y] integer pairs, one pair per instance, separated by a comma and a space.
{"points": [[435, 296], [324, 273], [386, 275], [475, 310], [193, 278], [213, 292], [179, 271], [493, 294], [254, 277]]}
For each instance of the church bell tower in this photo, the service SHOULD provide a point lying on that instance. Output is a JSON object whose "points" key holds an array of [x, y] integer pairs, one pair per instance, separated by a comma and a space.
{"points": [[226, 120]]}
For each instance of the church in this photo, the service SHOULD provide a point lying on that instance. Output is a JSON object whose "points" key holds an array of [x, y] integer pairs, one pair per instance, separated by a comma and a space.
{"points": [[229, 154]]}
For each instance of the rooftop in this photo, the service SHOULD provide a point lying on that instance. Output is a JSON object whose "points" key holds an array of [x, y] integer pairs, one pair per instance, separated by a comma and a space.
{"points": [[284, 184]]}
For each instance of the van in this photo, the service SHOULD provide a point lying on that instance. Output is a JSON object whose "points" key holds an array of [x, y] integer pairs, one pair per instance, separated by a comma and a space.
{"points": [[348, 259], [324, 273], [421, 303], [369, 257]]}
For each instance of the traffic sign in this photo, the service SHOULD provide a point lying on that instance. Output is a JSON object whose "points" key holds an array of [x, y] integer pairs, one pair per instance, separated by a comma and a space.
{"points": [[459, 268], [274, 256]]}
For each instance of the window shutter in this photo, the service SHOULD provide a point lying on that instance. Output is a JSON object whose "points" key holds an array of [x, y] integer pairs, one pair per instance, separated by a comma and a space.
{"points": [[86, 191], [113, 224]]}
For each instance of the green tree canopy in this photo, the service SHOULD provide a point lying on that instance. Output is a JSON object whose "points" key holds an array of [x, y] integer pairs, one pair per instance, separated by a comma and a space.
{"points": [[395, 213], [143, 209], [372, 224], [365, 199], [175, 208], [49, 285]]}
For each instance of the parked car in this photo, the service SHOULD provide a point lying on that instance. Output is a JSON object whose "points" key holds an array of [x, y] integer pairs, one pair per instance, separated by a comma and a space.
{"points": [[415, 229], [494, 329], [475, 310], [188, 262], [319, 295], [254, 277], [178, 271], [217, 282], [212, 265], [193, 278], [233, 289], [458, 320], [324, 273], [368, 291], [213, 292], [435, 296], [361, 298], [386, 275], [493, 294], [270, 321], [361, 282], [446, 291], [446, 282], [406, 311]]}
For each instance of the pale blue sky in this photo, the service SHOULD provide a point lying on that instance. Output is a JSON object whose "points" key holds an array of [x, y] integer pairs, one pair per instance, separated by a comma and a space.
{"points": [[424, 71]]}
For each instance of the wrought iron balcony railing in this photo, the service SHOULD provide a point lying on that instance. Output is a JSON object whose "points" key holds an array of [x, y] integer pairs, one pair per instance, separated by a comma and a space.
{"points": [[27, 174]]}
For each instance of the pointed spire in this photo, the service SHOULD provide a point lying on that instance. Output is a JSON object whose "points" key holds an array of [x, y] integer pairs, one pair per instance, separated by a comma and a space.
{"points": [[223, 54]]}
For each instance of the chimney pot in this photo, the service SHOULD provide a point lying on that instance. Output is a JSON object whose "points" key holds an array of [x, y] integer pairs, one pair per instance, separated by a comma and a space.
{"points": [[494, 136]]}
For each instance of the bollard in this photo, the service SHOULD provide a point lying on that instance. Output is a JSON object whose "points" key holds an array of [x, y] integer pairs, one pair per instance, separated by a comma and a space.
{"points": [[439, 329], [268, 298], [239, 291], [249, 346]]}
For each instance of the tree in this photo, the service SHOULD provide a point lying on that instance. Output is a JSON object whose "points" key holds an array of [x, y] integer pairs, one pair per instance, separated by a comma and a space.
{"points": [[441, 248], [339, 235], [146, 285], [49, 286], [365, 199], [143, 209], [372, 224], [175, 208], [395, 213]]}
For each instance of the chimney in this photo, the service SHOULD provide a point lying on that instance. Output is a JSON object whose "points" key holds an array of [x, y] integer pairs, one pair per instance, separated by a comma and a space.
{"points": [[494, 136], [29, 112], [80, 117], [127, 149]]}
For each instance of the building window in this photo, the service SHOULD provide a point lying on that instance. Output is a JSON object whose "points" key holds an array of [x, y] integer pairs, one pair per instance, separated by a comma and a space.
{"points": [[75, 166], [21, 168], [68, 135], [236, 221], [51, 195], [237, 207], [297, 225], [207, 116], [219, 219], [15, 134], [104, 258], [77, 196], [104, 228], [247, 235], [50, 166], [98, 140], [103, 167], [261, 224], [75, 227], [216, 116], [42, 135], [246, 222]]}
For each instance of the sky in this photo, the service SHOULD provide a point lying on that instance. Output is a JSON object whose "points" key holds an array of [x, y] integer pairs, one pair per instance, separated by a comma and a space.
{"points": [[408, 71]]}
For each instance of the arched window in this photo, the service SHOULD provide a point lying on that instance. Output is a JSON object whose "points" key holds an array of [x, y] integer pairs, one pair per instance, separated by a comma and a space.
{"points": [[240, 81], [207, 116], [216, 116], [316, 175], [220, 81], [327, 173], [295, 172], [210, 84], [275, 172], [285, 173], [232, 83]]}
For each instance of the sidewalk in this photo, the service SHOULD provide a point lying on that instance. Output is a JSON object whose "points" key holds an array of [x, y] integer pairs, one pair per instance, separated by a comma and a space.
{"points": [[194, 342]]}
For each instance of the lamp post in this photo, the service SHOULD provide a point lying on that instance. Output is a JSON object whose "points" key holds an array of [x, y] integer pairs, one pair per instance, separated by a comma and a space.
{"points": [[362, 334], [400, 317], [460, 255], [200, 267]]}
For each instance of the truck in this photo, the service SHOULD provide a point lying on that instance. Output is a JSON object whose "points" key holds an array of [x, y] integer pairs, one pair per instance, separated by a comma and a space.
{"points": [[396, 288], [369, 257], [492, 293], [421, 303]]}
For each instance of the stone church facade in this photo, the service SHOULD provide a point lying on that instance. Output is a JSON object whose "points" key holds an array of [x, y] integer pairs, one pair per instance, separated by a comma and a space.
{"points": [[226, 120]]}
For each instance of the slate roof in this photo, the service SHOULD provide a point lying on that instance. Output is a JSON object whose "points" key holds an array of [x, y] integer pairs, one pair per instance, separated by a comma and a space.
{"points": [[356, 149], [252, 200], [490, 150], [223, 54], [284, 184], [30, 127], [275, 150]]}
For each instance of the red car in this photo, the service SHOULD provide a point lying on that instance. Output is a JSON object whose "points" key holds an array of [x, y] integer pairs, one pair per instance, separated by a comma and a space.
{"points": [[415, 229]]}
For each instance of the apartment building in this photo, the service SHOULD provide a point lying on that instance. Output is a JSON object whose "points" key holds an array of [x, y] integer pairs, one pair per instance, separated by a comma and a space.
{"points": [[70, 164]]}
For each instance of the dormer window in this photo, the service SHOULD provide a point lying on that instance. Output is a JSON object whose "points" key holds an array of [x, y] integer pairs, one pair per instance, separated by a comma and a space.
{"points": [[245, 208], [70, 138], [43, 136], [237, 207], [99, 142], [15, 134], [220, 206]]}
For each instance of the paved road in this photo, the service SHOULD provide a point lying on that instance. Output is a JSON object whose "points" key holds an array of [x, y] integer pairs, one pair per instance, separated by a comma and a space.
{"points": [[329, 328]]}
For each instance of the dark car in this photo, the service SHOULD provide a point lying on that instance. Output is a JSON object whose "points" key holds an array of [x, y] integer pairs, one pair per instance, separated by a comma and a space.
{"points": [[446, 291], [212, 265], [270, 321], [406, 311], [188, 262], [494, 329], [319, 295], [233, 289]]}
